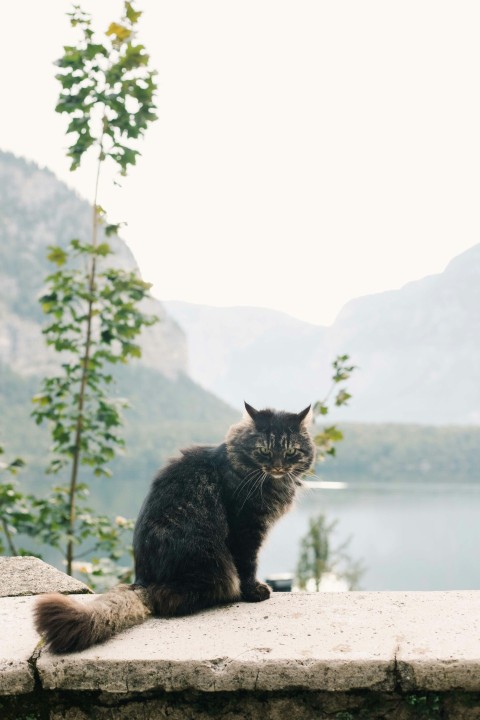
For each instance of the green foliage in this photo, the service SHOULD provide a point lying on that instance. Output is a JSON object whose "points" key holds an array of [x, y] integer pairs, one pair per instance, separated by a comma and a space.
{"points": [[164, 414], [318, 557], [330, 435], [425, 705], [70, 302], [15, 508], [108, 91], [94, 314], [94, 534], [398, 453]]}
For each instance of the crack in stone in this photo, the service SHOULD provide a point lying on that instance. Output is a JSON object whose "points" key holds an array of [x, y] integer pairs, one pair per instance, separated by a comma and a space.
{"points": [[32, 663], [397, 677]]}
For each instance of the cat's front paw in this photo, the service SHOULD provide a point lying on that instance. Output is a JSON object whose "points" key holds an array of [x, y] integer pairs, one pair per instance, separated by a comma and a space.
{"points": [[255, 592]]}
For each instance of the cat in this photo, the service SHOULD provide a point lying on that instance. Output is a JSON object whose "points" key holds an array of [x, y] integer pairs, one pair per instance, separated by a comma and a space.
{"points": [[198, 533]]}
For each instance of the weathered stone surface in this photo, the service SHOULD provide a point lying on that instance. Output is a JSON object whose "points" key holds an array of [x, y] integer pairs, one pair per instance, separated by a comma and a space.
{"points": [[439, 646], [31, 576], [381, 644], [327, 641], [18, 639]]}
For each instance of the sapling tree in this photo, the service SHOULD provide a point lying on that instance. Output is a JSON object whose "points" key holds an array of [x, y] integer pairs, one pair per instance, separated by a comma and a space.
{"points": [[319, 557], [325, 439], [94, 311]]}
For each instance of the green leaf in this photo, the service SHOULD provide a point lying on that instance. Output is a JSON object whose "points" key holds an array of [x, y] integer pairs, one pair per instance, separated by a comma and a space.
{"points": [[17, 463], [342, 398], [41, 399], [57, 255], [320, 408], [333, 433], [103, 249], [131, 14], [112, 229], [120, 32]]}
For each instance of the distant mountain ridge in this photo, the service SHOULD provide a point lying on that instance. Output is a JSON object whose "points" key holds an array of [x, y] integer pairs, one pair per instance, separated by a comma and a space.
{"points": [[248, 353], [417, 349]]}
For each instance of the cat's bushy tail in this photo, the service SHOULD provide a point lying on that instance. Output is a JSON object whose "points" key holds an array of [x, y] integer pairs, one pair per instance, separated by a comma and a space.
{"points": [[70, 626]]}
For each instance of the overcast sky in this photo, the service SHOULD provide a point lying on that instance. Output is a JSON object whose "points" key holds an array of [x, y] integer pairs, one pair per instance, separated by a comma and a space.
{"points": [[307, 152]]}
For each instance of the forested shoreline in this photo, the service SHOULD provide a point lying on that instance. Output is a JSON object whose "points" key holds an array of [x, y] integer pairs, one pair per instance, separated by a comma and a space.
{"points": [[405, 453]]}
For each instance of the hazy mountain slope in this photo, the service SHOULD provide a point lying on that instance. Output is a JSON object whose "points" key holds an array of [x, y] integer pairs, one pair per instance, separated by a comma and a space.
{"points": [[251, 353], [417, 348], [37, 210]]}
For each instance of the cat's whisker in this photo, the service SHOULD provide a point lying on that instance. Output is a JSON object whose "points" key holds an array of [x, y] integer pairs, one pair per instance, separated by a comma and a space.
{"points": [[249, 485], [254, 486], [303, 487], [250, 492], [259, 485], [291, 476], [245, 481]]}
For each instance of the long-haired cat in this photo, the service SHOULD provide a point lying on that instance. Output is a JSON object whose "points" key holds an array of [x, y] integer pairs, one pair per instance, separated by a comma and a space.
{"points": [[198, 533]]}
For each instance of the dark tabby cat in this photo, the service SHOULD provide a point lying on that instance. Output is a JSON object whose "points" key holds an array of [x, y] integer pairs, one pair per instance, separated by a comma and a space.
{"points": [[198, 533]]}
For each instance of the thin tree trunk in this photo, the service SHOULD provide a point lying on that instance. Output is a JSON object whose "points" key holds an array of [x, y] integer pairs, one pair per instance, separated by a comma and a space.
{"points": [[84, 379], [8, 535]]}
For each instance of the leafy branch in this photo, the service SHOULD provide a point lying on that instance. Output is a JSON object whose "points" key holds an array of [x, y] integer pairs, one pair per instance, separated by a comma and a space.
{"points": [[94, 315], [15, 508], [331, 434]]}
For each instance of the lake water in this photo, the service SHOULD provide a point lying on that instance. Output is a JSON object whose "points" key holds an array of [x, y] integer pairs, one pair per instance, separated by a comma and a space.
{"points": [[409, 537]]}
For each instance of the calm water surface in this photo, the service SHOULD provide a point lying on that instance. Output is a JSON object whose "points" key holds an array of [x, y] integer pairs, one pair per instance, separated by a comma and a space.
{"points": [[410, 537]]}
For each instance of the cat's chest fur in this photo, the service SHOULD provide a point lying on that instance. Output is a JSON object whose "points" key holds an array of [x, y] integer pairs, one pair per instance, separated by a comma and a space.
{"points": [[258, 501]]}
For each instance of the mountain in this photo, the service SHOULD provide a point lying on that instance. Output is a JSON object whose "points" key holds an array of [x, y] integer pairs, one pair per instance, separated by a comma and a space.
{"points": [[168, 409], [417, 350], [36, 210], [249, 353]]}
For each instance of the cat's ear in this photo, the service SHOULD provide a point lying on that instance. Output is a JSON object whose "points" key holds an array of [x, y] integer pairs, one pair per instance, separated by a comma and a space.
{"points": [[251, 411], [305, 416]]}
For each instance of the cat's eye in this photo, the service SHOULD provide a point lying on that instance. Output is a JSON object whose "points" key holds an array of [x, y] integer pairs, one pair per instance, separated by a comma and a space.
{"points": [[264, 451], [290, 451]]}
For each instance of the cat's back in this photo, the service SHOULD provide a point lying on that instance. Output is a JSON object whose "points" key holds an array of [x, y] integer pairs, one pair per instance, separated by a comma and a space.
{"points": [[183, 508], [187, 481]]}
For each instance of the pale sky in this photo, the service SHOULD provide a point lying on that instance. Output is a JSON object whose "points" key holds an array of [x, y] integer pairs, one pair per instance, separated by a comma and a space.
{"points": [[307, 152]]}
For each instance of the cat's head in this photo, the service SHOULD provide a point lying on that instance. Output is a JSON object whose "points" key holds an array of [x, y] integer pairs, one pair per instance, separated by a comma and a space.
{"points": [[277, 443]]}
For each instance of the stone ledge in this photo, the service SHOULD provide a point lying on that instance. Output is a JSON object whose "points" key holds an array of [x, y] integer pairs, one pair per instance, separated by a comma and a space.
{"points": [[334, 644]]}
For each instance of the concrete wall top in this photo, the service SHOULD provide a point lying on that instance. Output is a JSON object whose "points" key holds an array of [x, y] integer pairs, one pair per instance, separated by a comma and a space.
{"points": [[318, 641]]}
